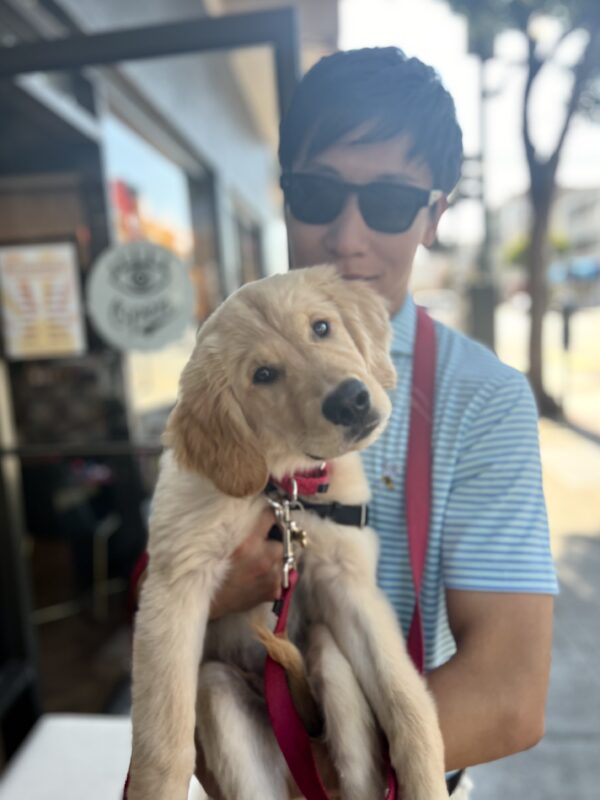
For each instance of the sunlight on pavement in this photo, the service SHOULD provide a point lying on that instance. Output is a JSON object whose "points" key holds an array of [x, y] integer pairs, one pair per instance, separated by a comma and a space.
{"points": [[573, 377], [571, 462], [571, 467]]}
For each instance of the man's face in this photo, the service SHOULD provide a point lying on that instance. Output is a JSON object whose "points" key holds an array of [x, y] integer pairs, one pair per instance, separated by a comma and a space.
{"points": [[358, 252]]}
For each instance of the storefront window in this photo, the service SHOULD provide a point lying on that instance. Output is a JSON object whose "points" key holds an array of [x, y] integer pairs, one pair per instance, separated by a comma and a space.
{"points": [[251, 261], [150, 200], [149, 193]]}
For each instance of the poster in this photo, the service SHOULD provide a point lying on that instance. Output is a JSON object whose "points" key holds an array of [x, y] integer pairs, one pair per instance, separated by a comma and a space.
{"points": [[41, 301]]}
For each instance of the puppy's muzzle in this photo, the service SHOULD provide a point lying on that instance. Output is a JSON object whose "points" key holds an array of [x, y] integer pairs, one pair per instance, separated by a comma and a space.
{"points": [[349, 405]]}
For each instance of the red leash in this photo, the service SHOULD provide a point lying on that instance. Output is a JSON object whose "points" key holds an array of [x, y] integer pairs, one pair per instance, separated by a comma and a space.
{"points": [[418, 471], [291, 735], [289, 731]]}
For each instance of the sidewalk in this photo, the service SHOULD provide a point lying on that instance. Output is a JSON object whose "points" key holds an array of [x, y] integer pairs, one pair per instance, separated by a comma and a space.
{"points": [[566, 764]]}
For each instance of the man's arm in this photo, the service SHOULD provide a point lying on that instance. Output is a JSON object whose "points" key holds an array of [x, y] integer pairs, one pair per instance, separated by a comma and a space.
{"points": [[491, 695]]}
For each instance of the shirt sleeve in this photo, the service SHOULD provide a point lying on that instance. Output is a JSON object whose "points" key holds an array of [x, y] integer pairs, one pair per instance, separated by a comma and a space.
{"points": [[495, 532]]}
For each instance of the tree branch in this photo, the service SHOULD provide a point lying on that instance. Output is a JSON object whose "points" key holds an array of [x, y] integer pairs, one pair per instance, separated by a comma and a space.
{"points": [[534, 65], [582, 73]]}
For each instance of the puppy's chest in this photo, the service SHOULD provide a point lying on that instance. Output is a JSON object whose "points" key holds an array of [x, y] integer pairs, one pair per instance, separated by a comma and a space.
{"points": [[335, 556], [330, 544]]}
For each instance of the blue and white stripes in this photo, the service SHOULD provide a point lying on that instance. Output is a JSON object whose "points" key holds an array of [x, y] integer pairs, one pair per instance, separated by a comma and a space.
{"points": [[488, 529]]}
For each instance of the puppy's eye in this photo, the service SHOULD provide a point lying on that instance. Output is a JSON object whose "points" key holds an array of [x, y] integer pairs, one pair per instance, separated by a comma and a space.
{"points": [[265, 375], [321, 328]]}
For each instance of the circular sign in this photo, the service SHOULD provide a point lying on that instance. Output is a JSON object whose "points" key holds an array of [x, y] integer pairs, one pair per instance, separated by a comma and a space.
{"points": [[140, 296]]}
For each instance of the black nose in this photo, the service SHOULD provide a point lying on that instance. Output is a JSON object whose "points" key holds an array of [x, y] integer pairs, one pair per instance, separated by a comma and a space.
{"points": [[348, 404]]}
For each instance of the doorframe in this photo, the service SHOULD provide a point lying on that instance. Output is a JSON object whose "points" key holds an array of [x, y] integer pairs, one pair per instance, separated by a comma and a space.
{"points": [[20, 704], [278, 28]]}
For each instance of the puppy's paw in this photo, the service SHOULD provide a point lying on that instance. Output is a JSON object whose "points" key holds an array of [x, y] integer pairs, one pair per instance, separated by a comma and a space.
{"points": [[419, 767], [429, 790], [152, 785]]}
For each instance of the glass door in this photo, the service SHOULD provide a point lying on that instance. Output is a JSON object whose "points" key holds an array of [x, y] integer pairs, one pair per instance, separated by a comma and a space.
{"points": [[152, 150]]}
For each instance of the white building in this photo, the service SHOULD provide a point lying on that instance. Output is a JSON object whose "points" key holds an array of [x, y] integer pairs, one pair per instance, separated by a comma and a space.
{"points": [[575, 217]]}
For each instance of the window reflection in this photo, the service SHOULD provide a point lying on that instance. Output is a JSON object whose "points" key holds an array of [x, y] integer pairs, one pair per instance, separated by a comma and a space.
{"points": [[149, 193], [153, 199]]}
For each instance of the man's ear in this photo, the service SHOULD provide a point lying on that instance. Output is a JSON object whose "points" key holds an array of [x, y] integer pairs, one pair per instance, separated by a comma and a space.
{"points": [[209, 433], [435, 214]]}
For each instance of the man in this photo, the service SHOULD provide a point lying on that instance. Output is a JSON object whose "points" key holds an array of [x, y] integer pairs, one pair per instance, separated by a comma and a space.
{"points": [[370, 149]]}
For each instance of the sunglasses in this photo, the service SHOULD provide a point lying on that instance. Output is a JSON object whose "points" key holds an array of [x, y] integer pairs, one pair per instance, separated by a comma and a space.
{"points": [[385, 207]]}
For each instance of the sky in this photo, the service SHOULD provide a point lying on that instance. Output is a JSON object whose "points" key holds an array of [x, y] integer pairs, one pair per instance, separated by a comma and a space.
{"points": [[429, 30]]}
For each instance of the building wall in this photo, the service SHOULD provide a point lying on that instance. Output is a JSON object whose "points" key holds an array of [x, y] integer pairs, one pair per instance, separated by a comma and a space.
{"points": [[581, 211], [575, 215]]}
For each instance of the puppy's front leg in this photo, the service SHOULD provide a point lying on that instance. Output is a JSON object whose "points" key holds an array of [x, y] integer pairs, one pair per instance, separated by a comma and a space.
{"points": [[169, 636], [366, 630], [236, 737], [351, 731]]}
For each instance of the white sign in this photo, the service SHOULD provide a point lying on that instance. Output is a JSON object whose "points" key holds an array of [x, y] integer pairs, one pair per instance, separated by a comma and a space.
{"points": [[41, 301], [140, 296]]}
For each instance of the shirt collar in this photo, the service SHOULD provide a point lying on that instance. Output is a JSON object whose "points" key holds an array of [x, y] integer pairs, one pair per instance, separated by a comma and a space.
{"points": [[403, 328]]}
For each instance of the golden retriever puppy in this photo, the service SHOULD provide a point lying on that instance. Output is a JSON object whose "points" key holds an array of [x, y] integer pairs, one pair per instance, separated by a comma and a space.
{"points": [[290, 371]]}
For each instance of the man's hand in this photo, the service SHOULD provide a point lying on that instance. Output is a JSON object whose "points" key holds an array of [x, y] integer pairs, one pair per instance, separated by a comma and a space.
{"points": [[254, 576], [255, 572]]}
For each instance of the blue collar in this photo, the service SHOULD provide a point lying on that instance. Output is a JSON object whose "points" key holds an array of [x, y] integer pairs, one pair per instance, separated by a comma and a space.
{"points": [[403, 329]]}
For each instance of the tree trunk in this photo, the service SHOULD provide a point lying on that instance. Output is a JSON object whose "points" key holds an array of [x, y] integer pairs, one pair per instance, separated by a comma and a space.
{"points": [[542, 190]]}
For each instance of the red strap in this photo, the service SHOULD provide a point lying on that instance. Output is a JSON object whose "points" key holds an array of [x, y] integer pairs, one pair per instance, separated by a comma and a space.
{"points": [[289, 731], [287, 725], [291, 735], [418, 471], [138, 570]]}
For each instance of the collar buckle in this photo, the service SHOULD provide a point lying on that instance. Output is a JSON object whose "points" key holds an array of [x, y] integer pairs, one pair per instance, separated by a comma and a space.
{"points": [[291, 532], [364, 515]]}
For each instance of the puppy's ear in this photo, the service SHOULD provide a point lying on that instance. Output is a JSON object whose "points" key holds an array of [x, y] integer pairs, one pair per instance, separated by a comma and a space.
{"points": [[208, 432], [366, 318]]}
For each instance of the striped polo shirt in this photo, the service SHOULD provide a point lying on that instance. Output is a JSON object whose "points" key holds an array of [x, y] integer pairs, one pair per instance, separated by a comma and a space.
{"points": [[488, 528]]}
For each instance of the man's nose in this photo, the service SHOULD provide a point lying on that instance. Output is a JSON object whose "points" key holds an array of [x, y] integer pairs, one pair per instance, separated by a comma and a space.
{"points": [[347, 234], [348, 404]]}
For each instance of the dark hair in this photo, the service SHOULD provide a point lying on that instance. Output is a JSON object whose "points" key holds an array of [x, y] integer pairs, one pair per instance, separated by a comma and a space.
{"points": [[378, 88]]}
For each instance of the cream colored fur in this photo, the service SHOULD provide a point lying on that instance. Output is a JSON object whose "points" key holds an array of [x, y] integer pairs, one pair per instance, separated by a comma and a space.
{"points": [[225, 436]]}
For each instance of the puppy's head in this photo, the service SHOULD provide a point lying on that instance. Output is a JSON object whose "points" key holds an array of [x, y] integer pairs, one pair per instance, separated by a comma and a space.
{"points": [[288, 372]]}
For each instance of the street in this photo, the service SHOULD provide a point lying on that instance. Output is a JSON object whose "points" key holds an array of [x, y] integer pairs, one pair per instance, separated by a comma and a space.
{"points": [[566, 764]]}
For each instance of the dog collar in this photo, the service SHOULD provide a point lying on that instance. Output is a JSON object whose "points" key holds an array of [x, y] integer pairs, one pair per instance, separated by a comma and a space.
{"points": [[356, 516], [316, 481], [309, 482]]}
